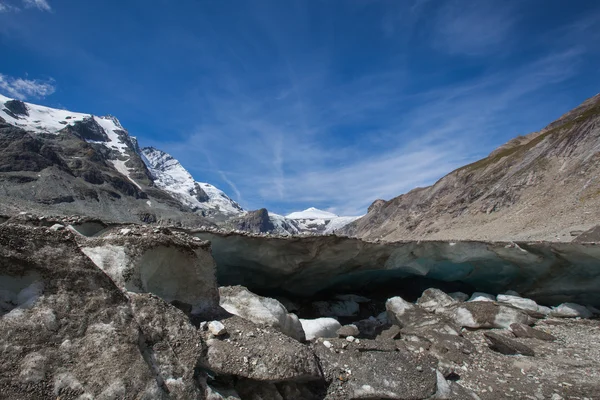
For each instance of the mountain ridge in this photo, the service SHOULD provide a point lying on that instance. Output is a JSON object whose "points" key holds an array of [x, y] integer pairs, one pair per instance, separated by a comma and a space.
{"points": [[507, 195]]}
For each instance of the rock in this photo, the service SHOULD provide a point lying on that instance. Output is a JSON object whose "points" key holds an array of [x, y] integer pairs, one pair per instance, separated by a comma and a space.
{"points": [[459, 296], [217, 328], [593, 310], [487, 314], [570, 310], [434, 300], [76, 331], [371, 327], [366, 374], [320, 328], [277, 391], [214, 392], [505, 345], [443, 391], [340, 308], [528, 305], [260, 310], [512, 293], [524, 331], [415, 319], [480, 296], [451, 351], [175, 344], [348, 330], [267, 355], [393, 332], [57, 227]]}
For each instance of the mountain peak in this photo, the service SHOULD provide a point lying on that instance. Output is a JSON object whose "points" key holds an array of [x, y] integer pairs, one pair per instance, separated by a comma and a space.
{"points": [[311, 213]]}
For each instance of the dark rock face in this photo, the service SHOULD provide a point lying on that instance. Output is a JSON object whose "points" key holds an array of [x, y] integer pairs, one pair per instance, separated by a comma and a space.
{"points": [[88, 129], [200, 194], [254, 221], [524, 331], [20, 151], [591, 235], [14, 108], [506, 345]]}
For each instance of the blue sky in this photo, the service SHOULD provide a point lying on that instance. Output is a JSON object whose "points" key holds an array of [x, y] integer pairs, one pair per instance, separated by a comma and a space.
{"points": [[288, 104]]}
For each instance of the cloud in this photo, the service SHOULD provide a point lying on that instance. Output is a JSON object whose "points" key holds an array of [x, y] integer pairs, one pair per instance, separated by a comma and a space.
{"points": [[361, 140], [472, 28], [23, 89], [41, 5], [6, 7]]}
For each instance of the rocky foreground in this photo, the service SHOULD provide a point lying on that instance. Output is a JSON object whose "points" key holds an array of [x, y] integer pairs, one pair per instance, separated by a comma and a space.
{"points": [[136, 312]]}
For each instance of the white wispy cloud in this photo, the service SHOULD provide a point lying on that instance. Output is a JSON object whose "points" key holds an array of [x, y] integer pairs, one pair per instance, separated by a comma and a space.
{"points": [[472, 28], [7, 7], [274, 152], [41, 5], [23, 89]]}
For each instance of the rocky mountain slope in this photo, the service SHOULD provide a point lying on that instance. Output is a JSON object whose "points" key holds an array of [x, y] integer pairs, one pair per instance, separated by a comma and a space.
{"points": [[62, 162], [543, 186]]}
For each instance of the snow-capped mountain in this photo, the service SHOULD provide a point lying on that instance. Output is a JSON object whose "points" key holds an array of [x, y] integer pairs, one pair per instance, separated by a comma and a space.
{"points": [[103, 164], [314, 220], [172, 177], [103, 130]]}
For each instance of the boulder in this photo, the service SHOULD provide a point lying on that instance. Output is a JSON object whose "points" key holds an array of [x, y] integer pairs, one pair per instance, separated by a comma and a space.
{"points": [[434, 300], [367, 372], [413, 318], [320, 328], [487, 314], [259, 353], [348, 330], [371, 327], [524, 331], [505, 345], [527, 305], [480, 296], [570, 310], [216, 328], [240, 301]]}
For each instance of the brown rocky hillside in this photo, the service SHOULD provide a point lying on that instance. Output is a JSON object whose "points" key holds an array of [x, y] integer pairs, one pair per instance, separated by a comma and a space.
{"points": [[542, 186]]}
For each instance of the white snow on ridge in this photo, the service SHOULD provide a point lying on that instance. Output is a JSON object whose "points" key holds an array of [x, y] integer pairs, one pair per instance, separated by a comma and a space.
{"points": [[338, 223], [311, 213], [41, 119], [172, 177], [314, 220], [282, 225]]}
